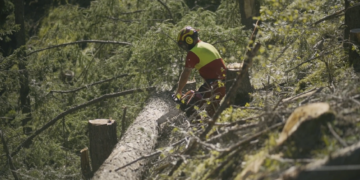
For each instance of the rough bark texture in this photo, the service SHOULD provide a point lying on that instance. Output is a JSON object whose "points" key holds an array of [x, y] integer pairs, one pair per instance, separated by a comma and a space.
{"points": [[85, 163], [242, 95], [103, 138], [248, 10], [138, 141], [352, 22]]}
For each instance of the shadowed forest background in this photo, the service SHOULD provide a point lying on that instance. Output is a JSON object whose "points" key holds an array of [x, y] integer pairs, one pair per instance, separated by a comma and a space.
{"points": [[64, 62]]}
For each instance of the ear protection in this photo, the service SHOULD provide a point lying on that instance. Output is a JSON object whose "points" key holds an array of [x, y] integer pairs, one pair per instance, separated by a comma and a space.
{"points": [[189, 40]]}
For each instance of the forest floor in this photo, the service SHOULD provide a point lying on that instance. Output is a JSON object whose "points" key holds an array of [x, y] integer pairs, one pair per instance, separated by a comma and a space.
{"points": [[288, 138]]}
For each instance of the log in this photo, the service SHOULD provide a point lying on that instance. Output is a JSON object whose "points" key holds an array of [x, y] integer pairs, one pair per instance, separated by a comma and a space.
{"points": [[102, 136], [85, 164], [138, 141], [242, 95]]}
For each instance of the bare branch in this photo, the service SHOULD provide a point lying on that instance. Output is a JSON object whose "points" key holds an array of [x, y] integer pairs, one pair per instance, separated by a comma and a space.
{"points": [[232, 130], [337, 13], [337, 137], [86, 86], [73, 109], [229, 96], [167, 8], [136, 160], [322, 53], [133, 12], [79, 42], [12, 167], [256, 135]]}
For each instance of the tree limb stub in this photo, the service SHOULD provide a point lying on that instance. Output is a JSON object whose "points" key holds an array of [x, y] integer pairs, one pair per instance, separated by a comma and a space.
{"points": [[73, 109], [79, 42]]}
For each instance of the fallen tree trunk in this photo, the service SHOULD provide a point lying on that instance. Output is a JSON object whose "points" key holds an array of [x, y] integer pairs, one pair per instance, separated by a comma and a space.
{"points": [[139, 140]]}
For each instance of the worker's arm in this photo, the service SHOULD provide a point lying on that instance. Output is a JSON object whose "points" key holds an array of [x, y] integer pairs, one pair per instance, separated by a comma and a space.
{"points": [[183, 79]]}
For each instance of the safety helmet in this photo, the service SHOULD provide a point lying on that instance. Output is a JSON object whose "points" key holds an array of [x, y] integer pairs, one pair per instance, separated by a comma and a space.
{"points": [[187, 38]]}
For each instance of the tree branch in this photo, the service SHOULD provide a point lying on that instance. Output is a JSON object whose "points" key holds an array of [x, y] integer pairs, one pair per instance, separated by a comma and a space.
{"points": [[337, 13], [12, 167], [167, 8], [73, 109], [138, 11], [86, 86], [138, 159], [79, 42], [236, 84], [312, 58], [256, 135]]}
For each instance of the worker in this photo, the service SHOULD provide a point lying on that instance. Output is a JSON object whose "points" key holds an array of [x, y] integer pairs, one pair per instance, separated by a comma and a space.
{"points": [[205, 58]]}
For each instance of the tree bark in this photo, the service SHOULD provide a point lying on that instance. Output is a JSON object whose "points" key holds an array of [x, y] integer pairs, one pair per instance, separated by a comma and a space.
{"points": [[352, 22], [242, 94], [248, 10], [85, 164], [24, 78], [139, 140], [103, 138]]}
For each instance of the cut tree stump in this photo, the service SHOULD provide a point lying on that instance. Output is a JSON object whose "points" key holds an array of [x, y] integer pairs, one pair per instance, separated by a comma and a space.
{"points": [[138, 141], [85, 164], [242, 96], [102, 136]]}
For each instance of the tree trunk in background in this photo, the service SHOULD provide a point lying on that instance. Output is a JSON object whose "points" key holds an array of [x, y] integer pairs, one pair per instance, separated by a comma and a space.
{"points": [[24, 77], [352, 21], [248, 10], [138, 141], [242, 96], [103, 138]]}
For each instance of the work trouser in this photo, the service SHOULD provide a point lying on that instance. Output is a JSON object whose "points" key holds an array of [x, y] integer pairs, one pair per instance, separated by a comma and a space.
{"points": [[209, 94]]}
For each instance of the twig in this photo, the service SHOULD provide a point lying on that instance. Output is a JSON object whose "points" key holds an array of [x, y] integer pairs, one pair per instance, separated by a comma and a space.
{"points": [[138, 159], [167, 8], [123, 128], [256, 135], [220, 166], [337, 137], [79, 42], [190, 146], [138, 11], [232, 130], [134, 20], [337, 13], [312, 58], [86, 86], [242, 121], [73, 109], [308, 98], [283, 51], [12, 167]]}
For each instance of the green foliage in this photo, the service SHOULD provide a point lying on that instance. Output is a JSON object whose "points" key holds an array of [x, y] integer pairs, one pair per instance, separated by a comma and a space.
{"points": [[287, 34]]}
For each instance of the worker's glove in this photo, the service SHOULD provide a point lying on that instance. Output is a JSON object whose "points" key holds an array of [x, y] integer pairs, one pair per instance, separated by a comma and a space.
{"points": [[175, 99]]}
